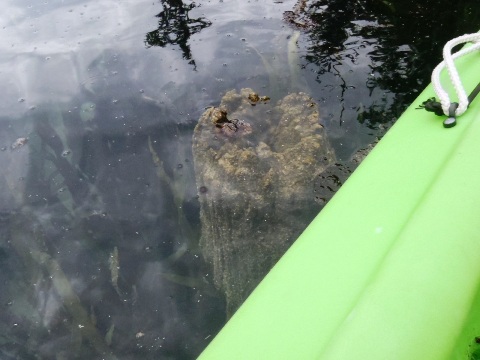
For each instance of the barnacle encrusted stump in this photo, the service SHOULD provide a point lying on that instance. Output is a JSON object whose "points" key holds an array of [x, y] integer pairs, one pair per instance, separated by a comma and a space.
{"points": [[255, 165]]}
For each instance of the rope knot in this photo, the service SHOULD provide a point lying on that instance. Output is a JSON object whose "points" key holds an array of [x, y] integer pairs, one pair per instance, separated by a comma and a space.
{"points": [[432, 105], [445, 106]]}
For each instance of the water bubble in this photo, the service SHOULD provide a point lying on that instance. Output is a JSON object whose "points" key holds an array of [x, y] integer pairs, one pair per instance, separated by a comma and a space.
{"points": [[19, 143], [179, 166], [66, 152]]}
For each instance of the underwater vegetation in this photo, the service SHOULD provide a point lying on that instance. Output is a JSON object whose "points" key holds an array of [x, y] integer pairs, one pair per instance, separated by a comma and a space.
{"points": [[99, 239], [255, 185]]}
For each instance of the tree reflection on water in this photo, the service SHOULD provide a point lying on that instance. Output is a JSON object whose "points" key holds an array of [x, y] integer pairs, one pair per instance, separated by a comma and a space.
{"points": [[175, 27], [402, 38]]}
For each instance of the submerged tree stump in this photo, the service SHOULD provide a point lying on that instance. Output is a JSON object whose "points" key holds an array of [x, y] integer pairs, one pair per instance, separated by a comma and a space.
{"points": [[255, 166]]}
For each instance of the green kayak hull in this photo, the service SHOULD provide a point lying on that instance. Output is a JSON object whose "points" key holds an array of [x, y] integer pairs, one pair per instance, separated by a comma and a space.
{"points": [[390, 268]]}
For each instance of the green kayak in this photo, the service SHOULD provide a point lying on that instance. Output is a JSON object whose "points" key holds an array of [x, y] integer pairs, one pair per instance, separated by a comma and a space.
{"points": [[390, 269]]}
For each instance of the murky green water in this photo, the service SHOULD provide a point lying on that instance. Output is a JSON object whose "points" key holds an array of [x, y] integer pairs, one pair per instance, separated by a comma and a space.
{"points": [[99, 210]]}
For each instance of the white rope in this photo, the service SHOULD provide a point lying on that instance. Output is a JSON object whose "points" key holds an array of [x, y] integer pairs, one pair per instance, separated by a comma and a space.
{"points": [[447, 62]]}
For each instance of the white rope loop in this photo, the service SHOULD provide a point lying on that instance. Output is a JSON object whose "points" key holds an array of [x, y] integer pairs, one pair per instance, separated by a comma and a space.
{"points": [[448, 62]]}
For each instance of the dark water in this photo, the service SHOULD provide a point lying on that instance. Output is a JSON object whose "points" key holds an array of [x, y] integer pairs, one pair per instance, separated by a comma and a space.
{"points": [[99, 252]]}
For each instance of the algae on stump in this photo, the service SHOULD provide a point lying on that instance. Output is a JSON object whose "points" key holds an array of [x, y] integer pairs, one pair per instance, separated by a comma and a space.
{"points": [[255, 165]]}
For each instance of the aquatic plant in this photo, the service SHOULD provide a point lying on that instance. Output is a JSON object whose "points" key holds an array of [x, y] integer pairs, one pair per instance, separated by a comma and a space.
{"points": [[255, 189]]}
